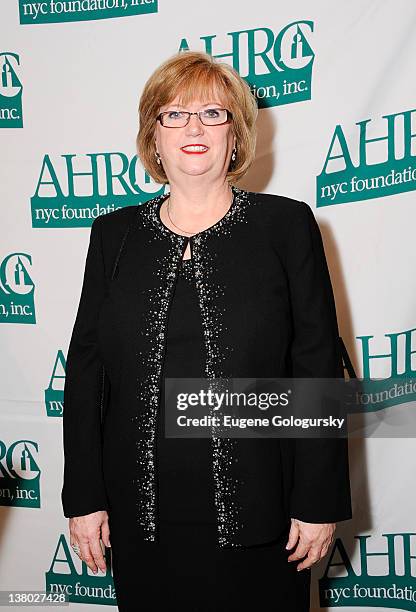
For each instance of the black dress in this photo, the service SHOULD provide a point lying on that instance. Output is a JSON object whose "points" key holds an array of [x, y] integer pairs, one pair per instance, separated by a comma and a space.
{"points": [[186, 570]]}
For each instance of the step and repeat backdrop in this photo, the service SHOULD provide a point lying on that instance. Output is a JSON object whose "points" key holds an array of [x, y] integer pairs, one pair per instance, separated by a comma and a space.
{"points": [[337, 128]]}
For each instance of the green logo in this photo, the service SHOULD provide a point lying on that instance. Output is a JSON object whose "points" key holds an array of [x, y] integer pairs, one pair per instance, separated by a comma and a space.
{"points": [[348, 174], [71, 577], [20, 475], [16, 290], [73, 190], [57, 11], [278, 67], [10, 92], [397, 387], [399, 351], [54, 394], [380, 578]]}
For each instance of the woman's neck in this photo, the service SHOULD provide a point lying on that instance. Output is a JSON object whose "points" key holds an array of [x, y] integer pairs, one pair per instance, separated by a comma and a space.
{"points": [[195, 208]]}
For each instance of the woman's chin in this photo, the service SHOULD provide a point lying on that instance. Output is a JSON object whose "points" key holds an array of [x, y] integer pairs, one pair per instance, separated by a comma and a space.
{"points": [[196, 170]]}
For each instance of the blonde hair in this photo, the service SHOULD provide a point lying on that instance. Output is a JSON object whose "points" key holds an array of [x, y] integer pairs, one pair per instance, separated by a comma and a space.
{"points": [[190, 75]]}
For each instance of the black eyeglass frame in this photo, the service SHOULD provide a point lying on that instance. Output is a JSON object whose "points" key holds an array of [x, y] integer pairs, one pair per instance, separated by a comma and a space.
{"points": [[229, 118]]}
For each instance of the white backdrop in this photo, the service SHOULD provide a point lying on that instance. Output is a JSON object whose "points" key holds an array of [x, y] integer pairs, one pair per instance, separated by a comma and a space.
{"points": [[69, 86]]}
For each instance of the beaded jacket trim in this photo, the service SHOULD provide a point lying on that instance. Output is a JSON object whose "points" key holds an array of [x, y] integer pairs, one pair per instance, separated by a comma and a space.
{"points": [[155, 327]]}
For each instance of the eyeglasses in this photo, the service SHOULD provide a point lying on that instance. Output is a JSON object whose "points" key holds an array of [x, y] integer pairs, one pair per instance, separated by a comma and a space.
{"points": [[209, 116]]}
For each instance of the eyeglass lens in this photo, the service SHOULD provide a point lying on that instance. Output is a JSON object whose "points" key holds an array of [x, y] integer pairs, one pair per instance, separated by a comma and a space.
{"points": [[209, 116]]}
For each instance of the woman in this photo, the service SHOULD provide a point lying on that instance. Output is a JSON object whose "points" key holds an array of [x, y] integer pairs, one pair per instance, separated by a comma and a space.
{"points": [[208, 281]]}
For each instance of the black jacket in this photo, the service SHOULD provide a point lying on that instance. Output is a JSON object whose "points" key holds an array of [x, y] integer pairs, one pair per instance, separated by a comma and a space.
{"points": [[267, 311]]}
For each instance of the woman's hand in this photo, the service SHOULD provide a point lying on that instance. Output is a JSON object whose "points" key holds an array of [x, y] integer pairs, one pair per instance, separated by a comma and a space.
{"points": [[86, 531], [313, 539]]}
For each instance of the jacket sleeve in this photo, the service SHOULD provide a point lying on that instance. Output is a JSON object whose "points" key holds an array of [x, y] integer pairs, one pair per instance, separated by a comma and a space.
{"points": [[83, 489], [321, 491]]}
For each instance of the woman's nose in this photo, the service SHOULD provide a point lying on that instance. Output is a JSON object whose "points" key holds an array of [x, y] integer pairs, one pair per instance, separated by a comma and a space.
{"points": [[194, 126]]}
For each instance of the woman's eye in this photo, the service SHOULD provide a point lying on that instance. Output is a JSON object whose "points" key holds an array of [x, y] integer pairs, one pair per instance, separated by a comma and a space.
{"points": [[211, 112], [175, 115]]}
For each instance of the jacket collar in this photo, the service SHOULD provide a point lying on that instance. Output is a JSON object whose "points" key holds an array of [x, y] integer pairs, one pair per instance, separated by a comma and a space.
{"points": [[234, 214]]}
